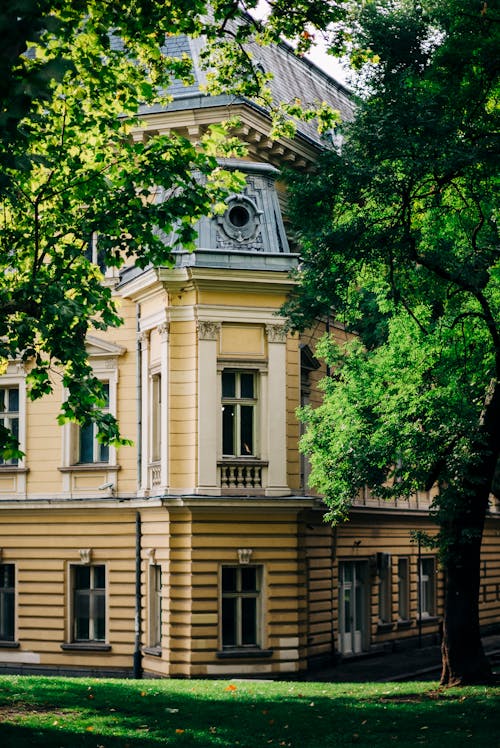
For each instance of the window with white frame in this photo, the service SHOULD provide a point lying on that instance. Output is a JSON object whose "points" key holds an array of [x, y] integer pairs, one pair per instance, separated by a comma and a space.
{"points": [[385, 589], [155, 618], [7, 602], [239, 413], [9, 415], [427, 592], [156, 417], [88, 449], [88, 588], [403, 589], [241, 606], [93, 253]]}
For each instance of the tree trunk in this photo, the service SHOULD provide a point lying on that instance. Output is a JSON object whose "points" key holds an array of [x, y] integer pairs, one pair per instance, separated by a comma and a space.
{"points": [[463, 658], [462, 523]]}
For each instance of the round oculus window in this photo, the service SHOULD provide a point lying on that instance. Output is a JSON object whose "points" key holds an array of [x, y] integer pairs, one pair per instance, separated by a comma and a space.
{"points": [[239, 216], [241, 221]]}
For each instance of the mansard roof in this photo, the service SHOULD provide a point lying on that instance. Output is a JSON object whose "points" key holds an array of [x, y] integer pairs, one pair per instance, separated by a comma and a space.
{"points": [[294, 78]]}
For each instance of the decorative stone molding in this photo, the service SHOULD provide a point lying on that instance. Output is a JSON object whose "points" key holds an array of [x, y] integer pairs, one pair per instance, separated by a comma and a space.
{"points": [[241, 220], [151, 554], [244, 555], [208, 330], [163, 330], [276, 333], [85, 555], [143, 338]]}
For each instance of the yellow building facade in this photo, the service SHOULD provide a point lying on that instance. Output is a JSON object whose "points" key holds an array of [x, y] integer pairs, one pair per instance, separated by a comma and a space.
{"points": [[200, 550]]}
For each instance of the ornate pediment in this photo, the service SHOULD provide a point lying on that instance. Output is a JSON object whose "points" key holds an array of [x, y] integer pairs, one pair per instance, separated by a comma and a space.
{"points": [[98, 348]]}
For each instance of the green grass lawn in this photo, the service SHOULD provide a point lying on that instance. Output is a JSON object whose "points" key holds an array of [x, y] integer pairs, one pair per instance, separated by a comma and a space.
{"points": [[98, 713]]}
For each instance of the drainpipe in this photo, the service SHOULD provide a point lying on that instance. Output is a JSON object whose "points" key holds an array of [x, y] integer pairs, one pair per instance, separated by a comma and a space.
{"points": [[138, 379], [138, 601], [419, 582]]}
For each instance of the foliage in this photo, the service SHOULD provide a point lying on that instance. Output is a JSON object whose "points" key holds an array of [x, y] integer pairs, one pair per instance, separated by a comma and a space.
{"points": [[400, 243], [74, 78], [400, 236], [90, 712]]}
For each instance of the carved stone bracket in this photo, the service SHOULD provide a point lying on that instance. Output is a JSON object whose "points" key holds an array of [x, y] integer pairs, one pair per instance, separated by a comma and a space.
{"points": [[276, 333], [163, 330], [85, 555], [208, 330], [244, 555], [151, 554]]}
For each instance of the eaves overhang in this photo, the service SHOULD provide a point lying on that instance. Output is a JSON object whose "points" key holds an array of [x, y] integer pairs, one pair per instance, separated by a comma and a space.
{"points": [[153, 280]]}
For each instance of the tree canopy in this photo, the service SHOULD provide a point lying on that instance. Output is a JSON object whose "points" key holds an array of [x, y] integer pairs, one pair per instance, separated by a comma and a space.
{"points": [[73, 77], [400, 244]]}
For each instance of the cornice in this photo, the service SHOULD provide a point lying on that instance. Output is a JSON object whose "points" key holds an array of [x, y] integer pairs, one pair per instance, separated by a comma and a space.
{"points": [[225, 279]]}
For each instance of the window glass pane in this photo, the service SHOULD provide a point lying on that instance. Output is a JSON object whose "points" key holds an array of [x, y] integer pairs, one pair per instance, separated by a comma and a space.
{"points": [[99, 577], [103, 455], [82, 577], [229, 622], [87, 443], [3, 395], [99, 615], [228, 579], [247, 385], [7, 575], [7, 615], [403, 589], [249, 579], [105, 392], [347, 610], [82, 611], [246, 447], [228, 384], [248, 621], [14, 426], [348, 572], [228, 413], [14, 400], [155, 606], [7, 602]]}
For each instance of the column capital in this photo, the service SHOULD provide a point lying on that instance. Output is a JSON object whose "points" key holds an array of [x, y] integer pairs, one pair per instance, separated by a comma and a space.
{"points": [[163, 330], [208, 330], [276, 333]]}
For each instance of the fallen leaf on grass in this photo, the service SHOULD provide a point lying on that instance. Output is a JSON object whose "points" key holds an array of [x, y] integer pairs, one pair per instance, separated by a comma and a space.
{"points": [[230, 687], [179, 731]]}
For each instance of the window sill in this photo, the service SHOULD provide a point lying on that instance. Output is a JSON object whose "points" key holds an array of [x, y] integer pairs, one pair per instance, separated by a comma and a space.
{"points": [[13, 469], [404, 624], [383, 627], [240, 654], [152, 651], [88, 467], [5, 644], [428, 620], [86, 647], [251, 460]]}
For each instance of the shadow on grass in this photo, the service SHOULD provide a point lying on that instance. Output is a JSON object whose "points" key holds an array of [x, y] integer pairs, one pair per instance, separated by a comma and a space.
{"points": [[112, 714]]}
